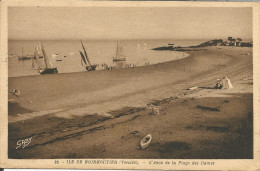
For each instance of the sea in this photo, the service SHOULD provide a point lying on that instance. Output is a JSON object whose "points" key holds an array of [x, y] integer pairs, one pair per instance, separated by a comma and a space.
{"points": [[64, 54]]}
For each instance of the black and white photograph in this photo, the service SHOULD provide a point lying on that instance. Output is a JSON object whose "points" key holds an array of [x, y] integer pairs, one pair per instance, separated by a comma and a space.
{"points": [[130, 82]]}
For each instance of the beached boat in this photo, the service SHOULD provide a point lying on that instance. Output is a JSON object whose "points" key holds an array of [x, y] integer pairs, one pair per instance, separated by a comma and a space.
{"points": [[146, 141], [48, 71], [47, 68], [86, 60], [118, 51], [91, 68]]}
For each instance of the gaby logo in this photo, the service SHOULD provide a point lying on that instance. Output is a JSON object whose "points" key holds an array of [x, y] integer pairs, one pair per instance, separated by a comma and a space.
{"points": [[23, 143]]}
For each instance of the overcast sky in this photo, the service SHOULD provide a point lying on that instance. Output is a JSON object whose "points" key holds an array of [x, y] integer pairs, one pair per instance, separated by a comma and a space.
{"points": [[128, 23]]}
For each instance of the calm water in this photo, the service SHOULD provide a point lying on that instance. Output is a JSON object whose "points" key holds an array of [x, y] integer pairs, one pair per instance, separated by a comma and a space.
{"points": [[137, 52]]}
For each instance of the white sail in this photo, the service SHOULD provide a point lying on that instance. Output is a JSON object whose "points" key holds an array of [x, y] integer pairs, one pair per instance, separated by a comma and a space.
{"points": [[35, 59], [119, 51], [38, 49], [47, 62]]}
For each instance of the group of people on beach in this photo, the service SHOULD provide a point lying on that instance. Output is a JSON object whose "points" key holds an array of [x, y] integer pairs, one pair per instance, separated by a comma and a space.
{"points": [[105, 66]]}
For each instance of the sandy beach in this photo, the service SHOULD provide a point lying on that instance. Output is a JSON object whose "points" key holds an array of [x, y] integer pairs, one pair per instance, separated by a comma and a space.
{"points": [[104, 114]]}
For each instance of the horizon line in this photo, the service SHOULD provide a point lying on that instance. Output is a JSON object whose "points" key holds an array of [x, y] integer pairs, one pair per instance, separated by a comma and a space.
{"points": [[11, 39]]}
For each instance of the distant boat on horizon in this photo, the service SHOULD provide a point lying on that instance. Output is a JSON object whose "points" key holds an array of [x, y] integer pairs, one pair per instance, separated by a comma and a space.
{"points": [[56, 57], [27, 57]]}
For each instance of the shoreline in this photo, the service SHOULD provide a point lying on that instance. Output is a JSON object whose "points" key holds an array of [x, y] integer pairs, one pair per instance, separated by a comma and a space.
{"points": [[120, 114], [99, 70]]}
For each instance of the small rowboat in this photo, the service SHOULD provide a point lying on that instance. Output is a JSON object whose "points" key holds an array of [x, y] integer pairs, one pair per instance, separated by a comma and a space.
{"points": [[146, 141]]}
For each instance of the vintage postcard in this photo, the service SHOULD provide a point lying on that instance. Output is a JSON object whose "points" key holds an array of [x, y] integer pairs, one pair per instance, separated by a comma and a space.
{"points": [[130, 85]]}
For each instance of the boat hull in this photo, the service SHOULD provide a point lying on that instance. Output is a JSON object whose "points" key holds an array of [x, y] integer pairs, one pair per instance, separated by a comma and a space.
{"points": [[49, 71], [91, 68], [119, 59], [146, 141], [25, 58]]}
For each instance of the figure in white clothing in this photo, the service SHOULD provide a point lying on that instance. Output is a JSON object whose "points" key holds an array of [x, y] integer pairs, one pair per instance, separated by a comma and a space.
{"points": [[226, 83]]}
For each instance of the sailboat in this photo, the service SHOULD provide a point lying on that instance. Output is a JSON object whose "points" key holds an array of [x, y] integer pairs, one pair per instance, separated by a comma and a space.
{"points": [[86, 60], [47, 68], [118, 51]]}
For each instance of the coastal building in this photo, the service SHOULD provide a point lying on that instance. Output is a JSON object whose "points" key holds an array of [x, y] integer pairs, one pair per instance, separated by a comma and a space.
{"points": [[246, 44], [236, 42]]}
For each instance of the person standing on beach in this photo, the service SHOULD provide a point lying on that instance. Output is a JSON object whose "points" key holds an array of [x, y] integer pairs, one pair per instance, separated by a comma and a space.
{"points": [[226, 83]]}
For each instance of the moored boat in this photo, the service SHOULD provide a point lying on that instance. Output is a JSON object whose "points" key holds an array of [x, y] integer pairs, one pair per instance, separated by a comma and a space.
{"points": [[47, 68], [91, 68], [86, 60], [48, 71], [146, 141], [27, 57], [119, 59], [118, 51]]}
